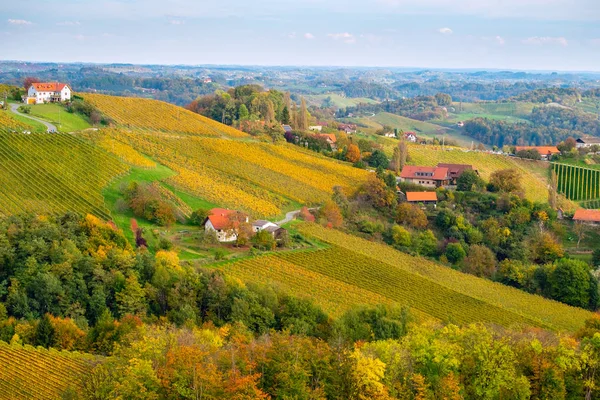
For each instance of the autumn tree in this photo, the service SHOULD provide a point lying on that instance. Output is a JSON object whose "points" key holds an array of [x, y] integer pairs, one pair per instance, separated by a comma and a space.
{"points": [[378, 193], [411, 215], [480, 261], [401, 236], [302, 116], [353, 153], [332, 215], [131, 300], [28, 81], [506, 180]]}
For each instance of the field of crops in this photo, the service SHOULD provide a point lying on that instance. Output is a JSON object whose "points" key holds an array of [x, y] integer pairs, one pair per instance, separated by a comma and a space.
{"points": [[30, 373], [54, 173], [578, 183], [134, 112], [354, 271], [535, 174], [260, 178], [122, 150], [10, 124], [548, 312]]}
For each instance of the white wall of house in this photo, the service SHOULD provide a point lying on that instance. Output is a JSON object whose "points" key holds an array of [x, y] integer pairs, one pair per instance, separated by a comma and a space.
{"points": [[263, 227], [222, 236]]}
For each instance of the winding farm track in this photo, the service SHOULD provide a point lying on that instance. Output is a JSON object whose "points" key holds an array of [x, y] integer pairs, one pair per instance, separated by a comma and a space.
{"points": [[51, 128]]}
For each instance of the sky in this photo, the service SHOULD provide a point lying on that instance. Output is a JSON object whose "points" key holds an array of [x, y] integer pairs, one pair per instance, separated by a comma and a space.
{"points": [[553, 35]]}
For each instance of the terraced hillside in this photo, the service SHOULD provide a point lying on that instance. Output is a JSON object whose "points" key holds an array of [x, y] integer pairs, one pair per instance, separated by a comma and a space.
{"points": [[30, 373], [535, 174], [260, 178], [54, 173], [354, 271], [134, 112]]}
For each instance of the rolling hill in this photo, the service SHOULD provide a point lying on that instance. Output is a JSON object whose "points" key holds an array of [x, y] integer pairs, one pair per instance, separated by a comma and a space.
{"points": [[353, 271]]}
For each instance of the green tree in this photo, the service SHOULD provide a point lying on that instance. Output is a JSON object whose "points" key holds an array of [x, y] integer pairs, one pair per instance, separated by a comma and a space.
{"points": [[596, 258], [243, 113], [285, 116], [199, 216], [131, 300], [467, 180], [455, 252], [401, 236], [570, 282], [506, 180], [379, 160], [44, 333], [263, 240], [426, 243]]}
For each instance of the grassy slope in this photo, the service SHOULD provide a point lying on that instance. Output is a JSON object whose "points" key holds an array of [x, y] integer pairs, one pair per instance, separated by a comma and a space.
{"points": [[30, 373], [34, 126], [55, 112]]}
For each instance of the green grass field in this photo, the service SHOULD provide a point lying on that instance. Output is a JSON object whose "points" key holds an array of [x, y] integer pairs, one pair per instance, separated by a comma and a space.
{"points": [[57, 115], [36, 127]]}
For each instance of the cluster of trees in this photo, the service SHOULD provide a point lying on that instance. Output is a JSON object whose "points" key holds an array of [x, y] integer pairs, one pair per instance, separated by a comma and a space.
{"points": [[147, 201], [548, 125], [417, 362], [421, 108], [253, 109]]}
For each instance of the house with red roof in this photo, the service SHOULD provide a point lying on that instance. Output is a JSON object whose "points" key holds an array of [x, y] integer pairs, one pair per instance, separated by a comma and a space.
{"points": [[546, 152], [425, 198], [425, 176], [587, 216], [224, 223], [330, 138], [49, 92], [456, 170]]}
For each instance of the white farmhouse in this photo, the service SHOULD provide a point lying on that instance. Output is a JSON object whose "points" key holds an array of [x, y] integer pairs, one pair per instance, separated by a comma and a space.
{"points": [[225, 223], [40, 93], [261, 225]]}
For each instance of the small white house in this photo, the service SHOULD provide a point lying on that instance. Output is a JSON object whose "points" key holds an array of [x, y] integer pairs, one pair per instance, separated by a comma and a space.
{"points": [[224, 223], [261, 225], [40, 93], [318, 128]]}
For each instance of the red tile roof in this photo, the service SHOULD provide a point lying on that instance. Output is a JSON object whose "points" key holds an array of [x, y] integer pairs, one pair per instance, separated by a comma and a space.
{"points": [[439, 174], [329, 136], [456, 170], [421, 196], [219, 218], [49, 86], [587, 215], [543, 150]]}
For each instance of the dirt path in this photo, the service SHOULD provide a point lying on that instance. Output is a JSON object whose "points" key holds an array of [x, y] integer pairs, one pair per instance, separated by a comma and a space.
{"points": [[14, 108]]}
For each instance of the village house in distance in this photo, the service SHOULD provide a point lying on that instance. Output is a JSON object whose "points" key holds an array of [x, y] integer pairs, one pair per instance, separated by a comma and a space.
{"points": [[48, 92]]}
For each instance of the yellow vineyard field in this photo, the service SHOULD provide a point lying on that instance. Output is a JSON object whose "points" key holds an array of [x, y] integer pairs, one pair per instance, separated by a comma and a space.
{"points": [[118, 148], [153, 114], [545, 312], [54, 173], [260, 178], [10, 124], [33, 373]]}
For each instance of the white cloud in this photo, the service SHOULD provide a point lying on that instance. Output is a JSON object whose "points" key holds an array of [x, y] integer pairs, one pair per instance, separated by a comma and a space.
{"points": [[500, 40], [445, 31], [68, 23], [177, 22], [19, 22], [309, 36], [345, 37], [543, 40], [292, 35], [79, 37]]}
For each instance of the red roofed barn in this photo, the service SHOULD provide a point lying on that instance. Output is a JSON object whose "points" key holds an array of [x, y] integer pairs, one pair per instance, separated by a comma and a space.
{"points": [[223, 222], [587, 216], [39, 93], [421, 197], [425, 176]]}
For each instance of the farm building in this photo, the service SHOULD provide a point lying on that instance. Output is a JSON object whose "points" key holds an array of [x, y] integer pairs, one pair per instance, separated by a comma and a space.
{"points": [[546, 152], [330, 138], [426, 198], [426, 176], [587, 141], [318, 128], [456, 170], [54, 92], [287, 128], [260, 225], [410, 137], [348, 128], [224, 223], [587, 216]]}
